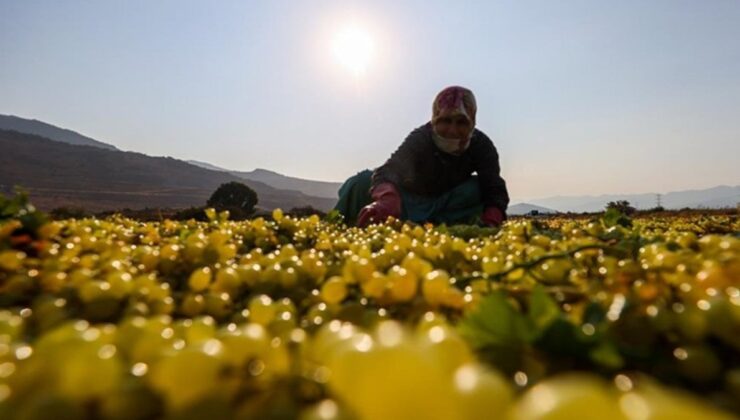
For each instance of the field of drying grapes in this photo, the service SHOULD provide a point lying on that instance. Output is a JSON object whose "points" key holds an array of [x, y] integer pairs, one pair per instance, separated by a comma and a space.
{"points": [[281, 317]]}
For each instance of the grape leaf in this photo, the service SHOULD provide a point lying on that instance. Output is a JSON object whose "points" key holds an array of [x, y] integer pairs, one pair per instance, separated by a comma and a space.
{"points": [[495, 323], [542, 309]]}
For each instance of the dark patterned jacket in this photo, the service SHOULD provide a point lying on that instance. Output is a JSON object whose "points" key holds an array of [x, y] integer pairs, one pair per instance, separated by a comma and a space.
{"points": [[419, 167]]}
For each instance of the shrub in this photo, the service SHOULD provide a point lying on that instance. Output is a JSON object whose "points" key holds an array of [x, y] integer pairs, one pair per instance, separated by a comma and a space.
{"points": [[234, 196]]}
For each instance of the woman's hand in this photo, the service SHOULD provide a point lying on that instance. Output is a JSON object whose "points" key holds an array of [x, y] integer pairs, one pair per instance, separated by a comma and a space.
{"points": [[387, 202], [492, 216]]}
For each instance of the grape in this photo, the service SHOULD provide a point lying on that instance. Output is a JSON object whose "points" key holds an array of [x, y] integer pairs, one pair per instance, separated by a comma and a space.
{"points": [[375, 286], [277, 215], [11, 260], [567, 397], [649, 400], [227, 280], [402, 284], [243, 343], [481, 391], [261, 310], [185, 377], [435, 286], [87, 361], [192, 305], [300, 317], [200, 279], [334, 290]]}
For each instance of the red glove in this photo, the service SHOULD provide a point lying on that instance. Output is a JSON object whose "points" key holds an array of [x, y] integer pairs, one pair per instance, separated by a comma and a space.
{"points": [[492, 216], [386, 202]]}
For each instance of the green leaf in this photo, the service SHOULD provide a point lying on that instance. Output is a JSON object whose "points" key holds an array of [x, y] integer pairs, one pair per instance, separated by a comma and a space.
{"points": [[18, 207], [614, 217], [607, 355], [561, 338], [495, 323], [543, 310], [334, 217]]}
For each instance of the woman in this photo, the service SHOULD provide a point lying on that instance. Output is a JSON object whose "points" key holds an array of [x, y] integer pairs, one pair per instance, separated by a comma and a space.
{"points": [[430, 177]]}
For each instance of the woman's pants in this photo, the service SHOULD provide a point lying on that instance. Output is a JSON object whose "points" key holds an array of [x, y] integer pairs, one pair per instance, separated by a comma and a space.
{"points": [[462, 204]]}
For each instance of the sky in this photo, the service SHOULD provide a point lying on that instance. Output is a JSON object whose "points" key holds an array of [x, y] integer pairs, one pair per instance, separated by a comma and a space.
{"points": [[579, 97]]}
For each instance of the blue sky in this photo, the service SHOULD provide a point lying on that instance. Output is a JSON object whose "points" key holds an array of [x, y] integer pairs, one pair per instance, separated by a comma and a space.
{"points": [[580, 97]]}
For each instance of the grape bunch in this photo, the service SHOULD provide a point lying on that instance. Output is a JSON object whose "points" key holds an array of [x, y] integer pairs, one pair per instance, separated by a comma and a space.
{"points": [[288, 317]]}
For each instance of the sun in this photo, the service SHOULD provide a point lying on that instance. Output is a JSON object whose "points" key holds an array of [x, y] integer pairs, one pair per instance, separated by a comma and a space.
{"points": [[353, 48]]}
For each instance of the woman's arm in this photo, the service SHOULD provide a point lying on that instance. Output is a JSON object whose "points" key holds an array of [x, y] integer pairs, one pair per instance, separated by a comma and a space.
{"points": [[400, 166], [492, 186]]}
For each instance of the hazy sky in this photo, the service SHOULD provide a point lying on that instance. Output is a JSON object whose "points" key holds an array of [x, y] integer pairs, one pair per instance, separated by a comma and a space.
{"points": [[580, 97]]}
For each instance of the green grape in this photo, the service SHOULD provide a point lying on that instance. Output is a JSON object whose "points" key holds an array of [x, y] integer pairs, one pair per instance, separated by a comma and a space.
{"points": [[121, 284], [375, 287], [39, 407], [131, 401], [192, 305], [435, 286], [218, 304], [11, 326], [86, 361], [573, 396], [185, 377], [243, 343], [227, 280], [11, 260], [445, 346], [648, 400], [415, 386], [334, 290], [402, 284], [261, 310], [200, 279], [249, 274], [481, 391]]}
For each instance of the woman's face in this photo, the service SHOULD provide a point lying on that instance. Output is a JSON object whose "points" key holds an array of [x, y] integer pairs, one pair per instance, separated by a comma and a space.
{"points": [[453, 127]]}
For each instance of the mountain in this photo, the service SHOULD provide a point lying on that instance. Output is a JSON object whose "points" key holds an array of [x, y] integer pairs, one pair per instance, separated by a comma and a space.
{"points": [[207, 166], [716, 197], [283, 182], [23, 125], [59, 174], [526, 208]]}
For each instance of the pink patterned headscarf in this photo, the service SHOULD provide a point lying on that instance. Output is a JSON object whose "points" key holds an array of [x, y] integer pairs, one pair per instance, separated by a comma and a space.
{"points": [[454, 100]]}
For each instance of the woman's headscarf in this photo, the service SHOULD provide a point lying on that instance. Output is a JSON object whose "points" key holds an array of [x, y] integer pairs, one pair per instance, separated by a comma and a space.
{"points": [[453, 101]]}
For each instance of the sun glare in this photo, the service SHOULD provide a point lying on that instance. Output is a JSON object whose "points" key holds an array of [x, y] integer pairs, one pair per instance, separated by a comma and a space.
{"points": [[353, 48]]}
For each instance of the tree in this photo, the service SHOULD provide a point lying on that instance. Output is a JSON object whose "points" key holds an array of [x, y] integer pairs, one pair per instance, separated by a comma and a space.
{"points": [[234, 196], [622, 205]]}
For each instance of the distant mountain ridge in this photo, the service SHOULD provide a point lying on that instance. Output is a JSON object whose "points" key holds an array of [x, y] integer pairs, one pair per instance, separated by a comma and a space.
{"points": [[715, 197], [58, 174], [315, 188], [526, 208], [40, 128]]}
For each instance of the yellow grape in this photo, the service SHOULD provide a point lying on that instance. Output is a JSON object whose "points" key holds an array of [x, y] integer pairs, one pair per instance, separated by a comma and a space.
{"points": [[402, 284], [334, 290], [200, 279], [435, 286], [261, 310]]}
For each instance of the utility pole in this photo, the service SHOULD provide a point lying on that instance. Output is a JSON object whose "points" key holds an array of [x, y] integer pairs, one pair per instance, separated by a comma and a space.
{"points": [[657, 200]]}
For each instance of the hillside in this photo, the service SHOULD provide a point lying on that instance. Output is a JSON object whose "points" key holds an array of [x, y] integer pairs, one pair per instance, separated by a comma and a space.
{"points": [[51, 132], [280, 181], [526, 208], [59, 174], [715, 197]]}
